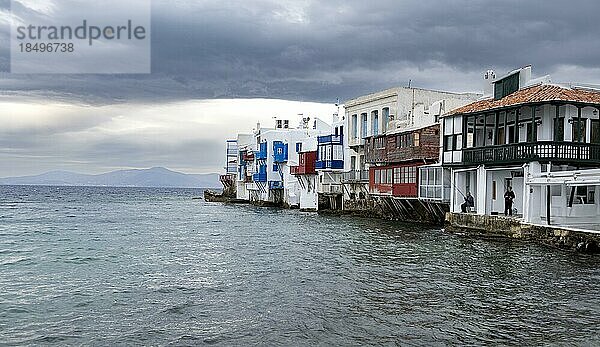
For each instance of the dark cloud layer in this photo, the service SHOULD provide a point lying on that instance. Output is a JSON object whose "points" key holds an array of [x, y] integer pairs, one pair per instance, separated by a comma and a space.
{"points": [[320, 50], [303, 50]]}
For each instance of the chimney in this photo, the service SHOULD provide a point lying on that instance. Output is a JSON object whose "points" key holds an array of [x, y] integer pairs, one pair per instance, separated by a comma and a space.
{"points": [[488, 79]]}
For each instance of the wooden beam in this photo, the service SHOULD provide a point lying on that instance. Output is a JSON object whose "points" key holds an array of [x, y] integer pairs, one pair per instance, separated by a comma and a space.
{"points": [[579, 137], [556, 117], [505, 128], [533, 125], [517, 125], [497, 116]]}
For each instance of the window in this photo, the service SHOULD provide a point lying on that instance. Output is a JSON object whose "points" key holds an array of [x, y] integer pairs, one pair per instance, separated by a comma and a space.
{"points": [[584, 195], [494, 192], [578, 130], [286, 124], [354, 126], [385, 114], [416, 139], [452, 142], [595, 131], [531, 132], [501, 134], [559, 129], [275, 168], [397, 175], [434, 183], [407, 140], [298, 147], [470, 131], [379, 142], [363, 125], [556, 190], [375, 117]]}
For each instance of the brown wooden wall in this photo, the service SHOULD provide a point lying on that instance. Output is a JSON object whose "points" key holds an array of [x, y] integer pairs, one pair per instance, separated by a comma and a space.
{"points": [[428, 148]]}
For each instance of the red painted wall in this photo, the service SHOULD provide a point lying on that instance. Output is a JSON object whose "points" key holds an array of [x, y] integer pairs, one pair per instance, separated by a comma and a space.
{"points": [[395, 188]]}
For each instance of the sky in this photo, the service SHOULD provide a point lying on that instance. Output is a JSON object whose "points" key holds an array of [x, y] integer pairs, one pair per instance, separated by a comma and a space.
{"points": [[218, 67]]}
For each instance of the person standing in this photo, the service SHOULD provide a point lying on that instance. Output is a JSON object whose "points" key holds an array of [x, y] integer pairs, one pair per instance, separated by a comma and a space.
{"points": [[469, 202], [509, 197]]}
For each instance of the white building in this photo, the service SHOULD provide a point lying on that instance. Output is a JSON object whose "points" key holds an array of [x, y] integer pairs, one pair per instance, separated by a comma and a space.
{"points": [[539, 138], [388, 112], [265, 159], [306, 175]]}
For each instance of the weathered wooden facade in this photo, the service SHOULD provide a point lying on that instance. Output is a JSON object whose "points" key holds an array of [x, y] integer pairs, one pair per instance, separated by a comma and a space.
{"points": [[395, 157]]}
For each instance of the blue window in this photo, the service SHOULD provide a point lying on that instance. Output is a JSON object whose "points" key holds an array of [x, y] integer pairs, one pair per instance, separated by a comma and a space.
{"points": [[298, 147], [375, 117], [275, 168], [363, 125]]}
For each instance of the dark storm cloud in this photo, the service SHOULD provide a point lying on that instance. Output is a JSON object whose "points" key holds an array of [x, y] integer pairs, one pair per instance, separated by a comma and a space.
{"points": [[316, 50]]}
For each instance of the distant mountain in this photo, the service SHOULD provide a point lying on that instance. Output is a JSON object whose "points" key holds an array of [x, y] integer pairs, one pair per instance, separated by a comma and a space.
{"points": [[154, 177]]}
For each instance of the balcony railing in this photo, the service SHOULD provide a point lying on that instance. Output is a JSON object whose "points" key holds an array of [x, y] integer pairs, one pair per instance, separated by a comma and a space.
{"points": [[302, 170], [566, 152], [275, 185], [259, 177], [356, 176], [334, 139], [331, 188], [329, 164], [356, 141], [231, 168]]}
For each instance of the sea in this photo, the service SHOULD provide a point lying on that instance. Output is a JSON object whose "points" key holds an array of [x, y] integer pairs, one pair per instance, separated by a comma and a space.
{"points": [[159, 267]]}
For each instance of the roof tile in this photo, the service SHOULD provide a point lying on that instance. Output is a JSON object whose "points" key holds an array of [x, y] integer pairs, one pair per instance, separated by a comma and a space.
{"points": [[534, 94]]}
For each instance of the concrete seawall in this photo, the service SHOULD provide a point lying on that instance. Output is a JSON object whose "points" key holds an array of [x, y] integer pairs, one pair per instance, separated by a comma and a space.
{"points": [[500, 226]]}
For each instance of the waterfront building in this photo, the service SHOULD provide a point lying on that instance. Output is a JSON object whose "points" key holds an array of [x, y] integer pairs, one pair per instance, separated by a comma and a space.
{"points": [[390, 134], [330, 164], [246, 166], [265, 159], [539, 138], [228, 180], [306, 175]]}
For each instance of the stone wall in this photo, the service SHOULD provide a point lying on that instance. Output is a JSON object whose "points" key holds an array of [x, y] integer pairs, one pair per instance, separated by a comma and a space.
{"points": [[499, 226]]}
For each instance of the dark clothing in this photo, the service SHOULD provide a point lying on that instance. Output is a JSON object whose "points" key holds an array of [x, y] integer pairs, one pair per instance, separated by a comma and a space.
{"points": [[468, 203], [509, 196]]}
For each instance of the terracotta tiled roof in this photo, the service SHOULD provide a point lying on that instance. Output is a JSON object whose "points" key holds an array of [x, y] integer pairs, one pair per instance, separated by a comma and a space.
{"points": [[534, 94]]}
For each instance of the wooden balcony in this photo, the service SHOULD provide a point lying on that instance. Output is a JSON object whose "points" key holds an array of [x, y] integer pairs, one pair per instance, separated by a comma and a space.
{"points": [[543, 151], [356, 176], [302, 170]]}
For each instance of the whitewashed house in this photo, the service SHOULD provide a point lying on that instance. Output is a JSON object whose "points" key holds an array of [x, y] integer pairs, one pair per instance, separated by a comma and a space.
{"points": [[541, 139], [265, 159]]}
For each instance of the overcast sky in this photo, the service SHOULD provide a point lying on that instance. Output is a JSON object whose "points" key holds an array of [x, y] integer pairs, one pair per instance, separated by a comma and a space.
{"points": [[205, 53]]}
